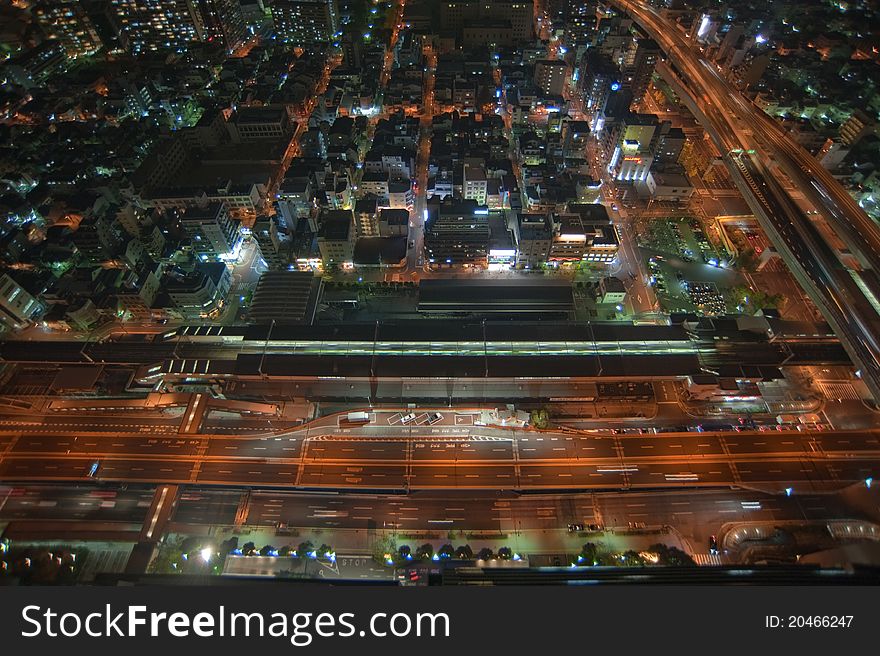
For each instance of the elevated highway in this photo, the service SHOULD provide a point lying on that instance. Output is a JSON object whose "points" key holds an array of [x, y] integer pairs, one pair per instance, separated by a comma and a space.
{"points": [[737, 126]]}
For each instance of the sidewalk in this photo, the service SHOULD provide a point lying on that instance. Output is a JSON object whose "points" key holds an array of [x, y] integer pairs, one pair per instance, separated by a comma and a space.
{"points": [[350, 542]]}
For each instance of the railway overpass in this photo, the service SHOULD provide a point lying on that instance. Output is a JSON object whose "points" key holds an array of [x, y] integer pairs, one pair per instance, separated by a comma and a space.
{"points": [[437, 361]]}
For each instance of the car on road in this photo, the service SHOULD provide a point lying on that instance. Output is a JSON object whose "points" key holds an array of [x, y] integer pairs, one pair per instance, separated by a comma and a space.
{"points": [[575, 528], [93, 469], [408, 418], [713, 545]]}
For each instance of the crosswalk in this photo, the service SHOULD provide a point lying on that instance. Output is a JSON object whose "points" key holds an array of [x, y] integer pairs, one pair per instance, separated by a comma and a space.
{"points": [[839, 391], [706, 560], [417, 438]]}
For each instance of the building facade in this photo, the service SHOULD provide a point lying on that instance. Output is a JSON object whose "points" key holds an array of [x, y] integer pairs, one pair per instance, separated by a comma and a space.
{"points": [[150, 25], [213, 234], [302, 22], [69, 23]]}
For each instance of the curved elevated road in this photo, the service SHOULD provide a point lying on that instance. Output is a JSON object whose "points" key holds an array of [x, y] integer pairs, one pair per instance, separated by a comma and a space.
{"points": [[736, 125]]}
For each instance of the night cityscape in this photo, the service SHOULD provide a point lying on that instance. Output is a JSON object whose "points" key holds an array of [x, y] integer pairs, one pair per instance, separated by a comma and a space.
{"points": [[439, 292]]}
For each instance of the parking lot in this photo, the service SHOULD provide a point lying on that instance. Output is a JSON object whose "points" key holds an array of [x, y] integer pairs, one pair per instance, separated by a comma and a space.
{"points": [[413, 419]]}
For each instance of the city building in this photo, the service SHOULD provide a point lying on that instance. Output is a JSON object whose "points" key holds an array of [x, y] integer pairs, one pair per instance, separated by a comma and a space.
{"points": [[456, 15], [598, 79], [254, 123], [534, 233], [492, 34], [274, 248], [366, 216], [212, 232], [136, 297], [456, 233], [149, 25], [636, 143], [336, 237], [612, 290], [18, 308], [393, 222], [400, 195], [666, 186], [202, 293], [670, 145], [584, 234], [551, 75], [36, 65], [646, 58], [575, 136], [295, 196], [285, 297], [474, 182], [302, 22], [223, 22], [68, 22], [98, 239], [374, 183], [858, 125]]}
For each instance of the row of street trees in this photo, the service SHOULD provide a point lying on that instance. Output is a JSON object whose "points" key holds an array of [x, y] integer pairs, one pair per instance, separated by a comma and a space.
{"points": [[657, 555], [426, 551]]}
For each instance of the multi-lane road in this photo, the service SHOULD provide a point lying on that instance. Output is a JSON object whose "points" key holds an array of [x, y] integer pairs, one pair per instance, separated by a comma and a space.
{"points": [[452, 475], [695, 513], [404, 458]]}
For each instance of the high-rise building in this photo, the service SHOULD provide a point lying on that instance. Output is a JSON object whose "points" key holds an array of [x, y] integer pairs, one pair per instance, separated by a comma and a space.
{"points": [[670, 144], [302, 22], [36, 65], [146, 25], [598, 78], [69, 23], [534, 233], [520, 13], [457, 233], [580, 22], [636, 144], [858, 125], [17, 307], [98, 239], [646, 57], [336, 237], [213, 234], [550, 76], [457, 14], [474, 181], [223, 22]]}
